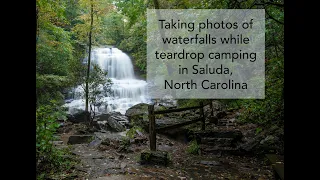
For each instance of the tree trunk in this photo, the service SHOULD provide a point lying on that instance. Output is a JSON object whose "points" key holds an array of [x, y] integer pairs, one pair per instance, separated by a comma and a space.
{"points": [[89, 60]]}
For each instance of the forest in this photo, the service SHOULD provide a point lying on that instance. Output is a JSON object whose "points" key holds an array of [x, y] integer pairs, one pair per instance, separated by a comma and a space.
{"points": [[72, 38]]}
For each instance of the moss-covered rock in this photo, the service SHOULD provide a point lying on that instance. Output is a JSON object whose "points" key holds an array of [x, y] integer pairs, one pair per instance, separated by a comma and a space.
{"points": [[138, 116]]}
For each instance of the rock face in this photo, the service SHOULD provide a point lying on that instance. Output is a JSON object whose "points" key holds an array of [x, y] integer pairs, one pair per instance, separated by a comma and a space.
{"points": [[114, 121], [115, 125], [105, 116], [138, 116], [110, 139], [141, 108], [78, 116]]}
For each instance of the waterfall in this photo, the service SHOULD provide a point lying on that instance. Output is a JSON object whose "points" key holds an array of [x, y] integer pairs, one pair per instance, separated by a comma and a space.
{"points": [[127, 90]]}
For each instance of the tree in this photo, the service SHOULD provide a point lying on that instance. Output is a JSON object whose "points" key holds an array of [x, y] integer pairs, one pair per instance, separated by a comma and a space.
{"points": [[90, 26], [98, 86]]}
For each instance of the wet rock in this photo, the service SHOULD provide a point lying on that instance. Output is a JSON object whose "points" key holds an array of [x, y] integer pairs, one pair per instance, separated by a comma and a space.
{"points": [[102, 117], [80, 139], [112, 122], [81, 129], [121, 119], [138, 116], [95, 143], [154, 157], [140, 121], [167, 101], [269, 140], [103, 125], [105, 116], [109, 139], [78, 116], [115, 125], [141, 108]]}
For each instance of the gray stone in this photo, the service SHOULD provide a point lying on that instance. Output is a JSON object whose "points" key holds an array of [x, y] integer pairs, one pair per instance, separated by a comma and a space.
{"points": [[123, 165], [95, 143], [78, 117], [141, 108], [105, 116], [154, 157], [80, 139], [115, 125]]}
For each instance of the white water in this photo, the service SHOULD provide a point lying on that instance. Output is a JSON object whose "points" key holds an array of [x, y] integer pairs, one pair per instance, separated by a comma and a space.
{"points": [[127, 90]]}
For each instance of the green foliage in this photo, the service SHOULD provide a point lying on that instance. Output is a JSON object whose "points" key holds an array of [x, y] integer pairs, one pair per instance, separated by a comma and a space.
{"points": [[188, 102], [46, 117], [61, 161], [99, 86], [135, 34], [133, 131], [124, 144], [271, 109], [113, 27], [191, 102], [49, 159], [49, 87], [82, 27], [135, 43], [53, 48], [193, 147], [258, 130]]}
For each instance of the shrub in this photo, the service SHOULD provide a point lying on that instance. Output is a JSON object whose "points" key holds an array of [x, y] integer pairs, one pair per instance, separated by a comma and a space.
{"points": [[49, 159]]}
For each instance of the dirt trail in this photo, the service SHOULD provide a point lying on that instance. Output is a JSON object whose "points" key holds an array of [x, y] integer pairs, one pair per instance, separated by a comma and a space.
{"points": [[112, 162]]}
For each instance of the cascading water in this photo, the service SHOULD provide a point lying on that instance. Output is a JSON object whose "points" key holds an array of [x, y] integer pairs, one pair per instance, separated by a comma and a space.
{"points": [[127, 90]]}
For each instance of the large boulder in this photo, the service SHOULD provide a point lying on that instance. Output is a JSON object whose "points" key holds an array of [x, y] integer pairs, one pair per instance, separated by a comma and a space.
{"points": [[141, 108], [121, 119], [105, 116], [115, 125], [138, 116], [267, 141], [113, 121], [110, 139], [78, 116]]}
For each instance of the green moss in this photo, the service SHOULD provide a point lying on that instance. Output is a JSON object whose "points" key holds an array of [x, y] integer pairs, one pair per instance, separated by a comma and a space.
{"points": [[193, 147], [133, 131]]}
